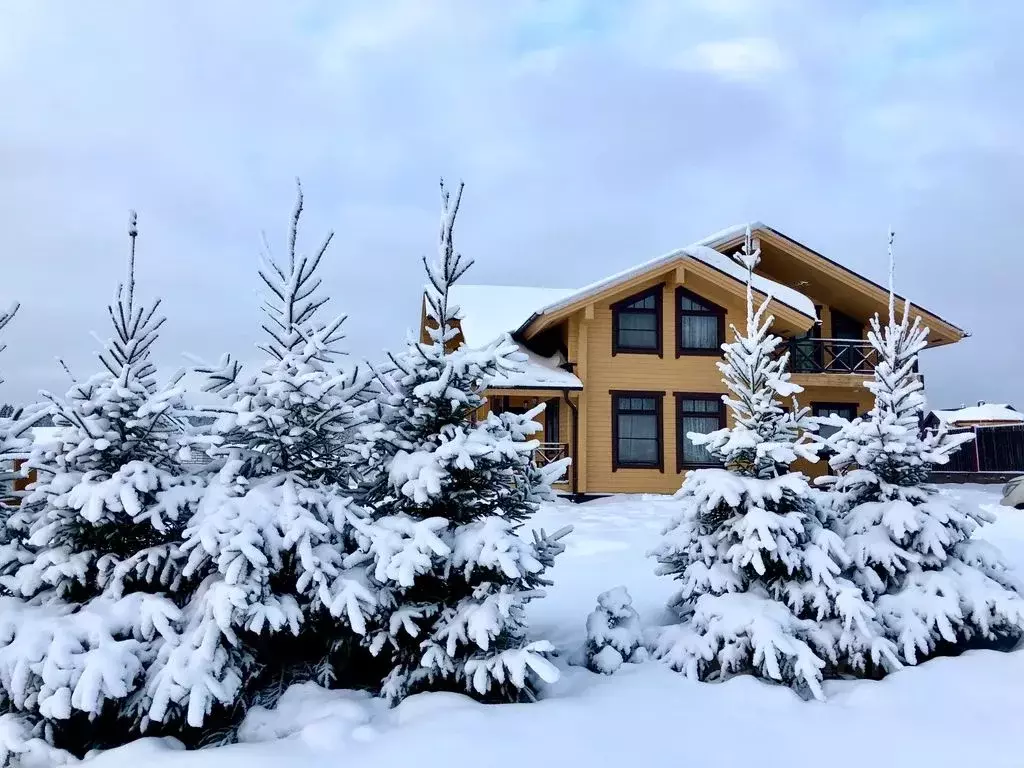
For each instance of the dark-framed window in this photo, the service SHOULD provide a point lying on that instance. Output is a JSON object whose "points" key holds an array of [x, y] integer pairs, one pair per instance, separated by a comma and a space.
{"points": [[696, 412], [847, 411], [637, 433], [636, 323], [551, 421], [700, 325]]}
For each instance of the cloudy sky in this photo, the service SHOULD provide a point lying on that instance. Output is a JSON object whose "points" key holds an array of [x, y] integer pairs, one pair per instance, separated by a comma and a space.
{"points": [[591, 136]]}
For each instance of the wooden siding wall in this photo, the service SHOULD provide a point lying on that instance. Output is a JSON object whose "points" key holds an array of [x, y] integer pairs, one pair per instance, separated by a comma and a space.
{"points": [[667, 374], [590, 346]]}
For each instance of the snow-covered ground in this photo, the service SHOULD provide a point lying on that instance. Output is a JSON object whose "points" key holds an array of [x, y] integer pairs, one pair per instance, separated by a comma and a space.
{"points": [[946, 712]]}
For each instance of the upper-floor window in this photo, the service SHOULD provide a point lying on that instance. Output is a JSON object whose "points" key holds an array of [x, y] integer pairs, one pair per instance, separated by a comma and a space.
{"points": [[700, 325], [636, 323]]}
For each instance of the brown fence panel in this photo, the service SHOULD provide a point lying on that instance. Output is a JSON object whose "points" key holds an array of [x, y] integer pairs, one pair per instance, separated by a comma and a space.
{"points": [[994, 449], [966, 457], [1001, 449]]}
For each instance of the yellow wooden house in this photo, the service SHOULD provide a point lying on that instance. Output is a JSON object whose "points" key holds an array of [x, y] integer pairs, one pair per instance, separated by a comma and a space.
{"points": [[626, 365]]}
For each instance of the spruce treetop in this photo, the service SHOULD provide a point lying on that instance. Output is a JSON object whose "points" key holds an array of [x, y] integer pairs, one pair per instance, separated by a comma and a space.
{"points": [[888, 443], [763, 435]]}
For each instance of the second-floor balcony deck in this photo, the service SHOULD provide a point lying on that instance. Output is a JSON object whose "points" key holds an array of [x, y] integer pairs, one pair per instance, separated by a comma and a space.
{"points": [[808, 355]]}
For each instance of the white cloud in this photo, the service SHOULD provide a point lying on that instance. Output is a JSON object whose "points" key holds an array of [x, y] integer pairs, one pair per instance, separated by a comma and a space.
{"points": [[591, 136], [749, 58]]}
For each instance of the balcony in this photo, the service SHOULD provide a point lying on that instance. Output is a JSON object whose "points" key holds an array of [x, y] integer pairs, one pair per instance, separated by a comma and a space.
{"points": [[547, 453], [849, 356]]}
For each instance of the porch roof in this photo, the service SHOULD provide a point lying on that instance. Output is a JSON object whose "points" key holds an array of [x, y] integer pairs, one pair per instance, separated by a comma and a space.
{"points": [[538, 373]]}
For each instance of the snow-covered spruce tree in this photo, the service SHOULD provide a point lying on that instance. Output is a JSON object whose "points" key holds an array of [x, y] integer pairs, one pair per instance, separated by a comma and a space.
{"points": [[91, 568], [761, 586], [614, 635], [935, 588], [282, 596], [449, 495]]}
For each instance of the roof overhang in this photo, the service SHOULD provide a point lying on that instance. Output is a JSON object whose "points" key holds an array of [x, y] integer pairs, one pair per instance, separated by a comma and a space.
{"points": [[788, 317], [870, 294]]}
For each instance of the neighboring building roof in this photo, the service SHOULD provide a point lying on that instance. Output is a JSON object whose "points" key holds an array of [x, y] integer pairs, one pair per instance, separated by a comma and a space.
{"points": [[980, 413]]}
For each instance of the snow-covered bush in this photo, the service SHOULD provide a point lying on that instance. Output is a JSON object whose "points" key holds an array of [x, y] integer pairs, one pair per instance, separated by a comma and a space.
{"points": [[934, 587], [90, 562], [614, 636], [447, 498], [272, 544], [761, 585]]}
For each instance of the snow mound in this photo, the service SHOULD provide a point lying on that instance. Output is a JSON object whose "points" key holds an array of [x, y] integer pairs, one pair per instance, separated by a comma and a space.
{"points": [[301, 708]]}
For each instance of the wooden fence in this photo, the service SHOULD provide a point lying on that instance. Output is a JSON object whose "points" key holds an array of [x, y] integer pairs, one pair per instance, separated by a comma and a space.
{"points": [[994, 449]]}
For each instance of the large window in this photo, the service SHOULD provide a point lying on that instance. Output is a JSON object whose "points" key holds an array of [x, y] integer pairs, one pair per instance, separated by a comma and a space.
{"points": [[700, 325], [700, 413], [636, 323], [847, 411], [636, 430]]}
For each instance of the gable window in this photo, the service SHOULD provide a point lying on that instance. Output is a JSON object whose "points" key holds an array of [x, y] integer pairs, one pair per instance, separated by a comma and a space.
{"points": [[847, 411], [636, 323], [700, 413], [636, 430], [700, 325]]}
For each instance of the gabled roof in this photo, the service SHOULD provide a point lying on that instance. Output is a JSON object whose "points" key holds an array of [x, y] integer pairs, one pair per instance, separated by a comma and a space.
{"points": [[697, 252], [980, 413], [732, 236], [490, 310]]}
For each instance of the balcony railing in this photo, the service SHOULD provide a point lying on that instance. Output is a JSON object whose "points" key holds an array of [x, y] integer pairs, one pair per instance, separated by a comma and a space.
{"points": [[832, 356], [546, 453]]}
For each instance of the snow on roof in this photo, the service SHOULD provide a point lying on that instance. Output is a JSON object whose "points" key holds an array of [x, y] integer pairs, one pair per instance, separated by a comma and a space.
{"points": [[729, 233], [788, 296], [488, 311], [539, 372], [491, 310], [699, 251], [45, 434], [982, 412]]}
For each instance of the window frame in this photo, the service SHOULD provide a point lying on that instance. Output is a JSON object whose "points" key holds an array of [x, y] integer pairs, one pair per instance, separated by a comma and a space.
{"points": [[681, 436], [620, 306], [659, 413], [815, 405], [714, 311]]}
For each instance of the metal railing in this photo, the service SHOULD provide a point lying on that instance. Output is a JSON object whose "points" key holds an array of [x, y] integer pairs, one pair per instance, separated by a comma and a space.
{"points": [[546, 453], [832, 356]]}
